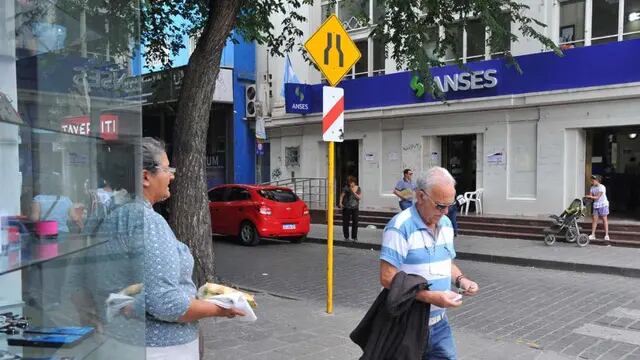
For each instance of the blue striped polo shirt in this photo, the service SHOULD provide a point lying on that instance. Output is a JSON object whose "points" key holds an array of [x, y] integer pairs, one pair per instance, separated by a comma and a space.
{"points": [[410, 246]]}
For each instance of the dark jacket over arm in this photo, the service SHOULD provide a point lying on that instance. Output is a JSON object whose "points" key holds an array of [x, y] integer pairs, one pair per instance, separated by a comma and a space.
{"points": [[395, 327]]}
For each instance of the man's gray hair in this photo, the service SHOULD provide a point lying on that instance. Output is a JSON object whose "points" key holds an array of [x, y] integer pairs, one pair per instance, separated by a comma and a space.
{"points": [[434, 176]]}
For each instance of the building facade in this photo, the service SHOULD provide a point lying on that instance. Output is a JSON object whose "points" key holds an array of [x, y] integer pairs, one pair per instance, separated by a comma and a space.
{"points": [[231, 141], [530, 140]]}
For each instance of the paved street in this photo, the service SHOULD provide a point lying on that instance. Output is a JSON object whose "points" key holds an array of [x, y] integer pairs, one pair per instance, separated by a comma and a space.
{"points": [[521, 313]]}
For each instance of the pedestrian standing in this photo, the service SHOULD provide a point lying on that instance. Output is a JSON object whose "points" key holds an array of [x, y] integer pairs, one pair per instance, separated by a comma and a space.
{"points": [[420, 241], [404, 189], [598, 194], [146, 251], [452, 214], [350, 203]]}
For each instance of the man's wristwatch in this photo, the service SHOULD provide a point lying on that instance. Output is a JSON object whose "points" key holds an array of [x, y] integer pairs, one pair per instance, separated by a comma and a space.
{"points": [[460, 277]]}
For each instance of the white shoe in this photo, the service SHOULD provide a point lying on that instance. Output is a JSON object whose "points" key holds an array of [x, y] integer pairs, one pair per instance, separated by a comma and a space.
{"points": [[592, 237], [606, 238]]}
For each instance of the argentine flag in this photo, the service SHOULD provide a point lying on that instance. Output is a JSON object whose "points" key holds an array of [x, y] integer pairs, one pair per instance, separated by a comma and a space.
{"points": [[289, 74]]}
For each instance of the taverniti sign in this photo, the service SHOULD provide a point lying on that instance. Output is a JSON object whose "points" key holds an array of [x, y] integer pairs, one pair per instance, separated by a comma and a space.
{"points": [[81, 125]]}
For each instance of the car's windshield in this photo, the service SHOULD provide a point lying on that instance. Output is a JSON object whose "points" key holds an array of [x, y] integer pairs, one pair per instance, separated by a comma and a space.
{"points": [[279, 195]]}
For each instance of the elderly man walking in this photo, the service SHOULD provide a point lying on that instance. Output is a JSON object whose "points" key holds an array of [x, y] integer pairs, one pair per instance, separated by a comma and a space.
{"points": [[419, 240]]}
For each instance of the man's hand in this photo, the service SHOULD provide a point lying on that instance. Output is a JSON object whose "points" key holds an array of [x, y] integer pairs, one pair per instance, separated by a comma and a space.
{"points": [[443, 299], [468, 287]]}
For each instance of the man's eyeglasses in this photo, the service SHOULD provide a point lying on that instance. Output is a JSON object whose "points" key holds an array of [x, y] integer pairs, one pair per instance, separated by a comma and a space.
{"points": [[168, 169], [439, 206]]}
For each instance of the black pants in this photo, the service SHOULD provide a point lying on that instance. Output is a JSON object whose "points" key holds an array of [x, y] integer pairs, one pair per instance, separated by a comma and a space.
{"points": [[350, 215]]}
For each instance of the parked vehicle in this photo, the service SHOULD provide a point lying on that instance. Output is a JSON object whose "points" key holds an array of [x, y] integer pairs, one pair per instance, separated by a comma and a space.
{"points": [[252, 212]]}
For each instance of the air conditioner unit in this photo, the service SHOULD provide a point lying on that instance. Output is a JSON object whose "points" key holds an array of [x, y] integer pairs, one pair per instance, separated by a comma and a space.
{"points": [[250, 95]]}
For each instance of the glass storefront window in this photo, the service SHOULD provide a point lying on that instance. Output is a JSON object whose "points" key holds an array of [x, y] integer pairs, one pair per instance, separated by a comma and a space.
{"points": [[327, 10], [362, 66], [454, 32], [354, 14], [378, 10], [475, 39], [433, 37], [605, 21], [572, 22], [378, 57], [504, 45], [70, 127], [632, 19]]}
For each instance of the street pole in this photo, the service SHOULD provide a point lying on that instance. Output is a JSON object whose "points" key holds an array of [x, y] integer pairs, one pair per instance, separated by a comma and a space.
{"points": [[330, 207]]}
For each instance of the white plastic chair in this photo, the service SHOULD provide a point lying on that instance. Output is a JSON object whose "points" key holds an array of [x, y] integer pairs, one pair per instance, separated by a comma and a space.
{"points": [[476, 197]]}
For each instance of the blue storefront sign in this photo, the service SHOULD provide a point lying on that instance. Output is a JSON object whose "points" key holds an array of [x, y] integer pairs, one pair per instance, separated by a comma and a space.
{"points": [[598, 65], [298, 98]]}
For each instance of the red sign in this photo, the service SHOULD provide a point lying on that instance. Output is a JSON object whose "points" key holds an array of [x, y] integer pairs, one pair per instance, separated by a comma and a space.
{"points": [[81, 125], [77, 125], [109, 126]]}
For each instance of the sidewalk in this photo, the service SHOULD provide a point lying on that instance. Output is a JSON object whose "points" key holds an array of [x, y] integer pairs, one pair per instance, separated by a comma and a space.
{"points": [[560, 256], [300, 329]]}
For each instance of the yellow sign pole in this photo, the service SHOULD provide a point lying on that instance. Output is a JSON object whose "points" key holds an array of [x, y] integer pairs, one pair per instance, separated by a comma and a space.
{"points": [[334, 52], [330, 206]]}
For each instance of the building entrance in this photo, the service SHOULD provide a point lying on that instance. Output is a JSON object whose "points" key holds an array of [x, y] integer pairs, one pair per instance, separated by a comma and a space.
{"points": [[347, 154], [459, 157], [614, 153]]}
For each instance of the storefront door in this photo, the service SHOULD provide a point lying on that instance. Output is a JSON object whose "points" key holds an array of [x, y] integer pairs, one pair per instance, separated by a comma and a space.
{"points": [[347, 164], [459, 157], [614, 153]]}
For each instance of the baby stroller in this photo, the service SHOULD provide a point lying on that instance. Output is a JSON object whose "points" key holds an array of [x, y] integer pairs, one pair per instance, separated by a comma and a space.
{"points": [[567, 224]]}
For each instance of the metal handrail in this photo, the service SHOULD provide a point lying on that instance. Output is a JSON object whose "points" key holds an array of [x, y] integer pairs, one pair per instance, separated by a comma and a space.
{"points": [[312, 190]]}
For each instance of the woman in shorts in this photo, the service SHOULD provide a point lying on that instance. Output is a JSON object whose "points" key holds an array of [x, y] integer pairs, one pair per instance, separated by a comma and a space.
{"points": [[598, 194]]}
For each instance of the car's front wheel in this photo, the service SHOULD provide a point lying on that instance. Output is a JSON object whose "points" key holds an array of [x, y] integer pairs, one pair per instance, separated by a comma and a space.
{"points": [[248, 234]]}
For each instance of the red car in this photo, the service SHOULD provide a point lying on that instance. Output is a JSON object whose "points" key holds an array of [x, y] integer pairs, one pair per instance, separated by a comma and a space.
{"points": [[252, 212]]}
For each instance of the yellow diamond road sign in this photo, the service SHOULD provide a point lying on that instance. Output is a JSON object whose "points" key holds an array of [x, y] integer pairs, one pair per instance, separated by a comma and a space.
{"points": [[332, 50]]}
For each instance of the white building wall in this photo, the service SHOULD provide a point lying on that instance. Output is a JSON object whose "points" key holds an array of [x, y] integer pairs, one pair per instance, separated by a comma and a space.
{"points": [[544, 151], [542, 136]]}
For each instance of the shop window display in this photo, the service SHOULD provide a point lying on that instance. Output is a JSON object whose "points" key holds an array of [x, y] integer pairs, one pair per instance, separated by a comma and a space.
{"points": [[68, 139]]}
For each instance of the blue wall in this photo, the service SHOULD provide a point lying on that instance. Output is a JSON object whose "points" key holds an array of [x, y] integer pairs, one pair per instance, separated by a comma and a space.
{"points": [[244, 142], [241, 57], [182, 58]]}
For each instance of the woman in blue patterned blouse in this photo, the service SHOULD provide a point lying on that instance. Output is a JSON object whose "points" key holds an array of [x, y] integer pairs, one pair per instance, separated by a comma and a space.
{"points": [[170, 304], [142, 248]]}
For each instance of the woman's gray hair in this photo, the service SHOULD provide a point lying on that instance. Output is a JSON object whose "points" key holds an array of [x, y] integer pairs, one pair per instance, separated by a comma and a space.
{"points": [[152, 150], [434, 176]]}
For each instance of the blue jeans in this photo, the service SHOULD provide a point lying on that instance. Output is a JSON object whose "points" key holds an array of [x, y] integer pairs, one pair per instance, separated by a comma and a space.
{"points": [[440, 345], [405, 204]]}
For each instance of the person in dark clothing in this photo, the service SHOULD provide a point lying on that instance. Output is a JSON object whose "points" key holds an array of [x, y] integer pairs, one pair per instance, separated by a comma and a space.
{"points": [[396, 324], [350, 203], [452, 214]]}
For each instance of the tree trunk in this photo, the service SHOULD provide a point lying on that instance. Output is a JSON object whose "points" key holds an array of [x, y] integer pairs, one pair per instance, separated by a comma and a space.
{"points": [[189, 209]]}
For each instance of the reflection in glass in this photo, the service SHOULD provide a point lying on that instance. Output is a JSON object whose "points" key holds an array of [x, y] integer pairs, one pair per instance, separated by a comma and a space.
{"points": [[572, 22], [362, 66], [632, 18], [454, 33], [605, 19], [69, 125], [475, 39], [378, 57], [354, 14], [504, 44]]}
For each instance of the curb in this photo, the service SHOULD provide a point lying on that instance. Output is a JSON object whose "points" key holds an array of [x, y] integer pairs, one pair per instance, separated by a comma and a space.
{"points": [[509, 260]]}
